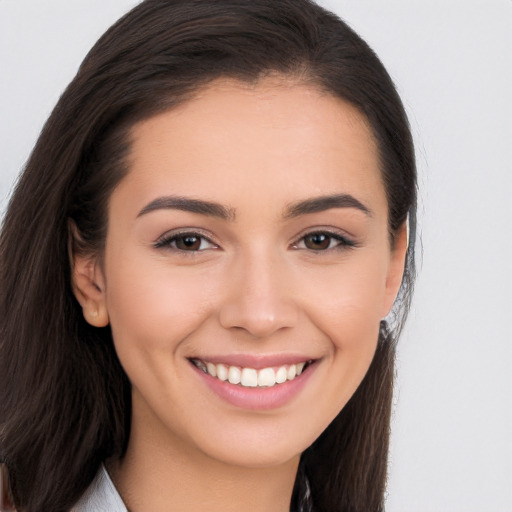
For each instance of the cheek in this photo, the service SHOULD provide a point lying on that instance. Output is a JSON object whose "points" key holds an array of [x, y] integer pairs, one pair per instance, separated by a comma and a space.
{"points": [[347, 303], [346, 306], [157, 307]]}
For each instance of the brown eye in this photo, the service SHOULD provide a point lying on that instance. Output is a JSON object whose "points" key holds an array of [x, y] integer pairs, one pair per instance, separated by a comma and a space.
{"points": [[188, 243], [323, 241], [317, 241]]}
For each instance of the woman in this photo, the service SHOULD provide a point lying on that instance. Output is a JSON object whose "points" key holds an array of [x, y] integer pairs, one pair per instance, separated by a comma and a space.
{"points": [[196, 265]]}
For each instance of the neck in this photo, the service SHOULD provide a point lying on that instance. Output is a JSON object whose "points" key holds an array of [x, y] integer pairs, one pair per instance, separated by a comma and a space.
{"points": [[181, 479]]}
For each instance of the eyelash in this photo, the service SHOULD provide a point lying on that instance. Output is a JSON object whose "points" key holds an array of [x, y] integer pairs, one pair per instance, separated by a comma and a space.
{"points": [[342, 242], [170, 241]]}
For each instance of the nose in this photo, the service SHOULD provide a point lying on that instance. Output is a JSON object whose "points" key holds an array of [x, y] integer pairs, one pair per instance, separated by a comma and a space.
{"points": [[259, 299]]}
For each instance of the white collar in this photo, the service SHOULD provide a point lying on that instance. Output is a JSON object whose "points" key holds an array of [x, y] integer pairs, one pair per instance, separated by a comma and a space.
{"points": [[100, 496]]}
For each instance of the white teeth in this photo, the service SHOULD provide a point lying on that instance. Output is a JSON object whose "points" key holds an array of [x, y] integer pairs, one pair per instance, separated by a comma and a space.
{"points": [[222, 372], [267, 377], [281, 375], [212, 370], [234, 375], [249, 377]]}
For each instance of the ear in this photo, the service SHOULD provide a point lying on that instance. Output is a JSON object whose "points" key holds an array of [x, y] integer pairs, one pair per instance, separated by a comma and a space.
{"points": [[396, 267], [88, 283]]}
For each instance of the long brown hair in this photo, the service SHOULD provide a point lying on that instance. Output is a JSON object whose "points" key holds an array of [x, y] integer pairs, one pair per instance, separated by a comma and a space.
{"points": [[65, 400]]}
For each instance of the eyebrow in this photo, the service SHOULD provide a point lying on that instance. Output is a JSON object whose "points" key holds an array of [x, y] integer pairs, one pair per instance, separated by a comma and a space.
{"points": [[189, 205], [209, 208], [322, 203]]}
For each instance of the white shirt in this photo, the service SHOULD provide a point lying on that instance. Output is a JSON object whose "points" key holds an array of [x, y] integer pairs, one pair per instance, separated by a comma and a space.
{"points": [[100, 496]]}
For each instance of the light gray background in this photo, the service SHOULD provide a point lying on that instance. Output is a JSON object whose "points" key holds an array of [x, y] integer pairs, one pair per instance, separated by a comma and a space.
{"points": [[451, 61]]}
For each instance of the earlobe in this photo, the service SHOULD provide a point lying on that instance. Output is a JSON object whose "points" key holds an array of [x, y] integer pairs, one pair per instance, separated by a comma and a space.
{"points": [[88, 283], [396, 267]]}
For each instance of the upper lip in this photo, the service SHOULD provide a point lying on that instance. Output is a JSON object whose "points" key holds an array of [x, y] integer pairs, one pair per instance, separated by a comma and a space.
{"points": [[256, 361]]}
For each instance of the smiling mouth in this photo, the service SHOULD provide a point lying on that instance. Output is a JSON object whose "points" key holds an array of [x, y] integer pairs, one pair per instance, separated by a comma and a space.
{"points": [[250, 377]]}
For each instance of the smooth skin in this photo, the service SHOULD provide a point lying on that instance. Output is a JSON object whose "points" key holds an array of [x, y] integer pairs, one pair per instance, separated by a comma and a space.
{"points": [[256, 275]]}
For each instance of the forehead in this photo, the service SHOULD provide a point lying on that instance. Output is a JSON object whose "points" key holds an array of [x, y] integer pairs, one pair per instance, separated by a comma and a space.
{"points": [[277, 138]]}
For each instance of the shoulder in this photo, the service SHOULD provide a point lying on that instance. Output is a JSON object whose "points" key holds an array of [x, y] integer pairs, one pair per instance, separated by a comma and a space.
{"points": [[101, 496]]}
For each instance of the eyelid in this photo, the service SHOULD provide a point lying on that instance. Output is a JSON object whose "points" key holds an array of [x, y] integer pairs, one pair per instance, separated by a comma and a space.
{"points": [[165, 240], [345, 241]]}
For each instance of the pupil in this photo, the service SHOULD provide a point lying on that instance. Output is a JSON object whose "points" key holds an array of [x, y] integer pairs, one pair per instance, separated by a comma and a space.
{"points": [[188, 242], [317, 241]]}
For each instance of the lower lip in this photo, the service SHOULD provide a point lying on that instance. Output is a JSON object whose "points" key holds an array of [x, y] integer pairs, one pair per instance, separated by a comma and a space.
{"points": [[257, 398]]}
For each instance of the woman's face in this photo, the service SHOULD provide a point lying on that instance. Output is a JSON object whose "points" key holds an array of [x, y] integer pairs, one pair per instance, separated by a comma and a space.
{"points": [[249, 240]]}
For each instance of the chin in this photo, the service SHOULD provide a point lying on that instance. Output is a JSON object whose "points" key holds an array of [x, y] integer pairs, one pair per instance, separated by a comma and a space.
{"points": [[257, 456], [270, 444]]}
